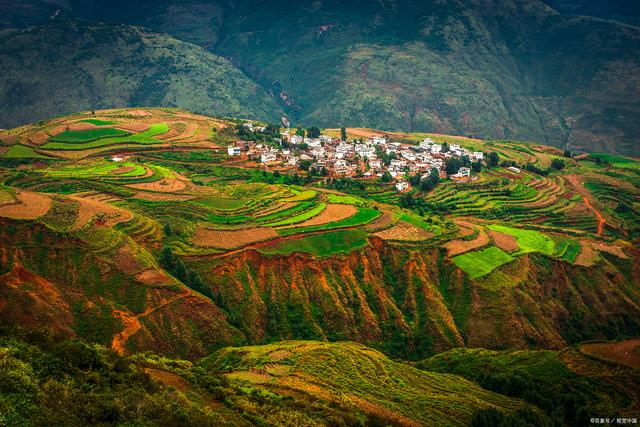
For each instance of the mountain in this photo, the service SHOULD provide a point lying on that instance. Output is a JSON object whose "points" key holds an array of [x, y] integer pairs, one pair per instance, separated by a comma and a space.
{"points": [[507, 70], [76, 65], [626, 11]]}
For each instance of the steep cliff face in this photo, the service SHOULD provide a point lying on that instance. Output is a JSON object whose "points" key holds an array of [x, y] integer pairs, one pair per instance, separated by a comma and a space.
{"points": [[411, 303], [408, 303], [54, 281]]}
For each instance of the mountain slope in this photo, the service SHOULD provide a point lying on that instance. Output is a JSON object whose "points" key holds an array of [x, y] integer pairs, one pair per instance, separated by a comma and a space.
{"points": [[505, 70], [71, 65]]}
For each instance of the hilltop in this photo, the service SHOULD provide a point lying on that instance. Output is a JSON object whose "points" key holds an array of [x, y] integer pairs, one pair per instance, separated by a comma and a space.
{"points": [[563, 73]]}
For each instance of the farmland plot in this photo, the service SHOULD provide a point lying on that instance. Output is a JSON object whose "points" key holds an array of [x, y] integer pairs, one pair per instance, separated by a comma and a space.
{"points": [[232, 239]]}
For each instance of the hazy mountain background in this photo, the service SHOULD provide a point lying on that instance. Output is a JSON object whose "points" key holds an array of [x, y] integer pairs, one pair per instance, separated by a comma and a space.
{"points": [[561, 72]]}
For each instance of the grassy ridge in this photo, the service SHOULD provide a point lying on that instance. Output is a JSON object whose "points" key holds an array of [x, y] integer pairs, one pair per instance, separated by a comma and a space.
{"points": [[393, 391]]}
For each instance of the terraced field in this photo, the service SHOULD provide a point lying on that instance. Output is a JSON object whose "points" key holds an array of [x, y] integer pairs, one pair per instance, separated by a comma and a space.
{"points": [[171, 187]]}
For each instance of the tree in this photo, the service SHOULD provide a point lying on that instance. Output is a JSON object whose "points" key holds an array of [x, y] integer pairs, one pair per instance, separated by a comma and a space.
{"points": [[166, 258], [415, 179], [494, 159], [343, 133], [386, 177], [304, 165], [300, 132], [452, 165], [476, 166], [445, 147], [434, 176], [313, 132], [167, 229], [557, 164], [567, 153], [426, 185]]}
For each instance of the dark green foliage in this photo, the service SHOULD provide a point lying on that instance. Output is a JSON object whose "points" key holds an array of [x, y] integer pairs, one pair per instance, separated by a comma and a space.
{"points": [[179, 270], [557, 164], [494, 159], [313, 132]]}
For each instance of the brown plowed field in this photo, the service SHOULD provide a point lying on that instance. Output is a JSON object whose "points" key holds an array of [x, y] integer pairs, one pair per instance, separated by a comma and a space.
{"points": [[134, 127], [109, 215], [158, 197], [404, 231], [383, 221], [332, 213], [623, 352], [458, 246], [231, 239], [29, 206], [165, 185], [506, 242], [587, 256]]}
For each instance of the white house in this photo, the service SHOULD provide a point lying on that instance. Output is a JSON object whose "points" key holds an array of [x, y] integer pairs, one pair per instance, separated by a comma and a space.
{"points": [[375, 140], [375, 164], [233, 150], [296, 139], [408, 155], [477, 155], [436, 148], [268, 156], [402, 185], [116, 159], [514, 169]]}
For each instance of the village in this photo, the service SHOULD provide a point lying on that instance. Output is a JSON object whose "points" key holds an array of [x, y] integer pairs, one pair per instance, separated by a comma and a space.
{"points": [[374, 157]]}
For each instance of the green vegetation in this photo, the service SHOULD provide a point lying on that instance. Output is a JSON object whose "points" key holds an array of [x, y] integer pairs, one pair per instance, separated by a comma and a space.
{"points": [[346, 200], [222, 203], [301, 217], [547, 379], [80, 136], [365, 375], [567, 249], [617, 161], [321, 245], [528, 240], [363, 216], [145, 137], [19, 151], [98, 122], [479, 263]]}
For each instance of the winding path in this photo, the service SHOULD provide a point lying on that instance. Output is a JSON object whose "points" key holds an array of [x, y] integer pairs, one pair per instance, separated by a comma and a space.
{"points": [[132, 323], [601, 220]]}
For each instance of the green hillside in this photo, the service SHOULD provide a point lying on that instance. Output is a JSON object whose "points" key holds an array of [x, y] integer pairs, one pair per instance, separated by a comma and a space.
{"points": [[517, 69], [77, 66]]}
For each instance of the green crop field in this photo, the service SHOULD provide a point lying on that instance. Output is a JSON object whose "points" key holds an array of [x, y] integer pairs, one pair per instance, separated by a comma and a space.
{"points": [[19, 151], [98, 122], [567, 249], [300, 217], [80, 136], [146, 137], [346, 200], [221, 203], [528, 240], [480, 263], [362, 217], [321, 245]]}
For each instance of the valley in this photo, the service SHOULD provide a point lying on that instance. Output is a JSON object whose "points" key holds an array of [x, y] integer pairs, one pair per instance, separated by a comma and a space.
{"points": [[246, 275]]}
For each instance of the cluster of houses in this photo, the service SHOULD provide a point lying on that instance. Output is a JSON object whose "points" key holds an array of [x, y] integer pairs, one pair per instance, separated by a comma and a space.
{"points": [[363, 159]]}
